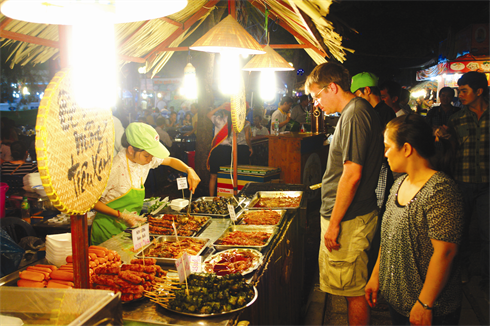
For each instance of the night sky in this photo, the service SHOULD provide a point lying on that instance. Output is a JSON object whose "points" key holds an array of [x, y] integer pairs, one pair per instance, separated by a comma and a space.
{"points": [[400, 34]]}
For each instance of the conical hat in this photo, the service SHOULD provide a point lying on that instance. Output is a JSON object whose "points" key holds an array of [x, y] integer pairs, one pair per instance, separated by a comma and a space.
{"points": [[228, 35], [271, 60]]}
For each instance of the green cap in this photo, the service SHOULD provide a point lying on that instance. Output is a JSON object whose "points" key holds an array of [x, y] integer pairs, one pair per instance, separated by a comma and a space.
{"points": [[143, 136], [362, 80]]}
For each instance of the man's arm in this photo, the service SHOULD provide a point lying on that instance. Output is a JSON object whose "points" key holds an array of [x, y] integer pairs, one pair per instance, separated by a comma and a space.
{"points": [[346, 190]]}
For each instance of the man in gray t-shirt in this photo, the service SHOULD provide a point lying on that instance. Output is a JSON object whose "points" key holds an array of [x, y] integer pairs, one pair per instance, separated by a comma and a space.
{"points": [[349, 211]]}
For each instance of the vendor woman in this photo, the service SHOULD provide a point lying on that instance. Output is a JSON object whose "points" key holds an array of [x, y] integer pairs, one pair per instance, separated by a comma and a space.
{"points": [[125, 188]]}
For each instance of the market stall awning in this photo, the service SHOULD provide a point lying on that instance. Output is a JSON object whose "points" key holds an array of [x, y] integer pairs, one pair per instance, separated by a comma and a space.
{"points": [[154, 41], [460, 65]]}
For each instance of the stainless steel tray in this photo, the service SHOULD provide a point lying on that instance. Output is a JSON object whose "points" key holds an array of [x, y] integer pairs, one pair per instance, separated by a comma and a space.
{"points": [[241, 216], [246, 228], [210, 199], [168, 238], [194, 234], [215, 314], [274, 194]]}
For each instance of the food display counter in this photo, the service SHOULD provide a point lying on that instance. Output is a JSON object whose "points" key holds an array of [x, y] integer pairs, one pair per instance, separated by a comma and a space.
{"points": [[278, 279]]}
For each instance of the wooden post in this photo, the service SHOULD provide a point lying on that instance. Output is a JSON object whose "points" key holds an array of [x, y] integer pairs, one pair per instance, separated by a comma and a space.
{"points": [[235, 163], [79, 243]]}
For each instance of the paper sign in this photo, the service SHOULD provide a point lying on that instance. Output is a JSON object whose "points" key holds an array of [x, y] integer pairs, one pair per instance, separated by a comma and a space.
{"points": [[181, 183], [195, 264], [141, 236], [183, 267], [231, 209]]}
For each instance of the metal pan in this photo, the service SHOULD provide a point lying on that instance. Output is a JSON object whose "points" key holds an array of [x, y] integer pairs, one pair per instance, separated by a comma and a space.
{"points": [[168, 238], [246, 228], [195, 232], [242, 214], [274, 194], [210, 199]]}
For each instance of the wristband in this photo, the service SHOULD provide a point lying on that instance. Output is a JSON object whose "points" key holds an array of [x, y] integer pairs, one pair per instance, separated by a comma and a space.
{"points": [[118, 214], [426, 306]]}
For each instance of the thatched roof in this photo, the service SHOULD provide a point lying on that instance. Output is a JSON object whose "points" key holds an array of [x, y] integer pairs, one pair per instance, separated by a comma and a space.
{"points": [[151, 41]]}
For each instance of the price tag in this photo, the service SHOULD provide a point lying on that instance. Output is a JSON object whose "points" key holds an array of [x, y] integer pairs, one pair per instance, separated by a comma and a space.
{"points": [[183, 267], [182, 183], [231, 210], [141, 236]]}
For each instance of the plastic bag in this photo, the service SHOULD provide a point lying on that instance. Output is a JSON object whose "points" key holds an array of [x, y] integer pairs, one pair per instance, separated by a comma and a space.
{"points": [[11, 254], [31, 245]]}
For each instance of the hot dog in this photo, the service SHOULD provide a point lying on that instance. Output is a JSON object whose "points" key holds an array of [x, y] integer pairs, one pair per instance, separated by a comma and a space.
{"points": [[32, 276], [62, 275], [30, 284]]}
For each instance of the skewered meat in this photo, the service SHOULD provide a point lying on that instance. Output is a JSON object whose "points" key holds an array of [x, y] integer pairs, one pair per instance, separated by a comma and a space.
{"points": [[242, 238], [261, 217]]}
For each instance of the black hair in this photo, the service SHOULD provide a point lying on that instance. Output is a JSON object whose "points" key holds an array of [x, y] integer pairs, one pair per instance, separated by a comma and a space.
{"points": [[404, 94], [126, 144], [286, 99], [160, 121], [475, 80], [446, 90], [392, 87], [303, 98], [374, 89], [412, 129], [18, 151]]}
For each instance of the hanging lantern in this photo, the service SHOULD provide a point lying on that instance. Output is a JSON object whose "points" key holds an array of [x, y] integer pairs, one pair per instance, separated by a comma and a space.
{"points": [[190, 82]]}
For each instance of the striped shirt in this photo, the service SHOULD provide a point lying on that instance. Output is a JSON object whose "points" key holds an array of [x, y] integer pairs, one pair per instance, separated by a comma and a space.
{"points": [[14, 169], [472, 158]]}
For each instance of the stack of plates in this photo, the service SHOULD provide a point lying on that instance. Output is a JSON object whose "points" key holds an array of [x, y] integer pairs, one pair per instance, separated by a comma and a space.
{"points": [[58, 247]]}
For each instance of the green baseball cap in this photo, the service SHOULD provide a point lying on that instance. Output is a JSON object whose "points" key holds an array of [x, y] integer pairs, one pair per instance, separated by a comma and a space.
{"points": [[362, 80], [143, 136]]}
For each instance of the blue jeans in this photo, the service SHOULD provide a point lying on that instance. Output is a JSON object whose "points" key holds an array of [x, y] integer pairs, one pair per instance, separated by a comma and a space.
{"points": [[476, 201], [449, 319]]}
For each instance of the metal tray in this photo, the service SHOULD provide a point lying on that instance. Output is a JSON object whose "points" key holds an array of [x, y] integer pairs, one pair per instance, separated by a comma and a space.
{"points": [[274, 194], [241, 216], [195, 234], [216, 314], [169, 238], [210, 199], [246, 228]]}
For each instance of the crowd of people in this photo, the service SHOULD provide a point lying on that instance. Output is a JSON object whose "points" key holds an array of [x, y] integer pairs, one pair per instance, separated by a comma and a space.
{"points": [[440, 167]]}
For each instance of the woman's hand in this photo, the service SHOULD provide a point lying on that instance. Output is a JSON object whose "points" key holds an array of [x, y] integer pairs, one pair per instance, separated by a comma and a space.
{"points": [[193, 179], [371, 290], [131, 219], [420, 316]]}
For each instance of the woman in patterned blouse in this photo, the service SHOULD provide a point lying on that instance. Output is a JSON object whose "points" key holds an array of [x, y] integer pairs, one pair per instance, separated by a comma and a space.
{"points": [[420, 232]]}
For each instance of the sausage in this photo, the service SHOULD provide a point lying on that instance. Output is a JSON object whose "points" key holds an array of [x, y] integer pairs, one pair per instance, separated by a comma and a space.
{"points": [[99, 248], [92, 256], [55, 285], [32, 276], [62, 275], [145, 261], [52, 267], [69, 259], [63, 282], [46, 274], [99, 253], [30, 284], [37, 269]]}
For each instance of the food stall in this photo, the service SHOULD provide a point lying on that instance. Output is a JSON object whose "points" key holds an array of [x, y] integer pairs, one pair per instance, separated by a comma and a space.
{"points": [[447, 73], [277, 276]]}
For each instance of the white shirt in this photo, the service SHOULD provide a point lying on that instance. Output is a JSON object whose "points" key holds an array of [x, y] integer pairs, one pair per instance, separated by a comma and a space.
{"points": [[119, 182], [219, 122], [280, 117], [260, 132]]}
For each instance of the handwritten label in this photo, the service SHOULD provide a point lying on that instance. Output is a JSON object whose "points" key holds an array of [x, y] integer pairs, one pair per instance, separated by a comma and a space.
{"points": [[231, 210], [141, 236], [183, 267], [181, 183]]}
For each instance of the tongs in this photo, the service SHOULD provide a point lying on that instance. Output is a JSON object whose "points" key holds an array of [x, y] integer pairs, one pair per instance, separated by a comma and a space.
{"points": [[316, 186], [189, 205]]}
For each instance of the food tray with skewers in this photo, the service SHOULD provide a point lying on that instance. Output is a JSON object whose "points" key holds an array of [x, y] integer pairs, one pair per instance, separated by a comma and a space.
{"points": [[215, 206], [205, 295], [261, 217], [166, 249], [275, 200], [246, 236], [231, 261], [186, 225]]}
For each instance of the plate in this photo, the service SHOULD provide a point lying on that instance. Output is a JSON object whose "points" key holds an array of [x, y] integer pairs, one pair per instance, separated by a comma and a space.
{"points": [[255, 256], [216, 314]]}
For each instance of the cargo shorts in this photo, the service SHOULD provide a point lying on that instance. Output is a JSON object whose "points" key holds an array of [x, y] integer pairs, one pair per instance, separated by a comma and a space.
{"points": [[344, 272]]}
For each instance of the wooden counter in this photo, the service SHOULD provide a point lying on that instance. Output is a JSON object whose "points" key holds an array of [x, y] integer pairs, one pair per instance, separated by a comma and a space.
{"points": [[302, 158]]}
